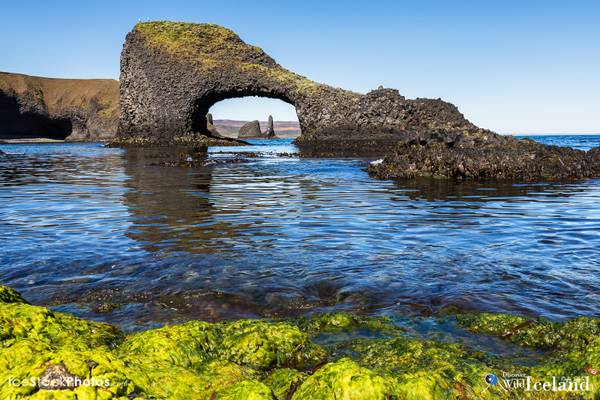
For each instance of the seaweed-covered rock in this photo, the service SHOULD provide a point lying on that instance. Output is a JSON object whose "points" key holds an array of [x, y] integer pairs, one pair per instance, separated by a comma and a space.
{"points": [[343, 379], [9, 295], [534, 332], [483, 155], [247, 390], [250, 130], [72, 109], [283, 382], [172, 73], [42, 351], [262, 345]]}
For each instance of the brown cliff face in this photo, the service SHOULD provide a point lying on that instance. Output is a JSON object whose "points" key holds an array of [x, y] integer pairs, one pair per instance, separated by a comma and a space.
{"points": [[72, 109]]}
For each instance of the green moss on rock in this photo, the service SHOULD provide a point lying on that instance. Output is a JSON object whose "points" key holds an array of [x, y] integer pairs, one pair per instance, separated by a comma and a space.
{"points": [[534, 332], [284, 381], [252, 359], [343, 379], [9, 295], [247, 390]]}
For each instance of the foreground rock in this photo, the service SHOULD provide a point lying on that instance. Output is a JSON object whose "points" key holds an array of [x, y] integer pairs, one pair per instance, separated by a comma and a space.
{"points": [[483, 155], [367, 358], [72, 109], [172, 73], [250, 130]]}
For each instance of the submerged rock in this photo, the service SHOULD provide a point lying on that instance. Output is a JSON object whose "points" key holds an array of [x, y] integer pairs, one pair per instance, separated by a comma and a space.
{"points": [[250, 130], [483, 155], [253, 359]]}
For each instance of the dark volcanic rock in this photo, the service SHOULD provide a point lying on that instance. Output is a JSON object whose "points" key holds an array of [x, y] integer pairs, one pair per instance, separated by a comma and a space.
{"points": [[72, 109], [172, 73], [250, 130], [484, 155], [270, 132], [210, 125]]}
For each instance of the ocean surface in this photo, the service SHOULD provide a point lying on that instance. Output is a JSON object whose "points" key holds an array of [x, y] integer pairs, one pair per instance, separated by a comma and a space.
{"points": [[129, 237]]}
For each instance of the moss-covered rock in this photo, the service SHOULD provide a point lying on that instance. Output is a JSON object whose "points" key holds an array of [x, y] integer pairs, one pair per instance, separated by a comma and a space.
{"points": [[339, 321], [247, 390], [263, 345], [9, 295], [343, 379], [283, 382], [253, 359]]}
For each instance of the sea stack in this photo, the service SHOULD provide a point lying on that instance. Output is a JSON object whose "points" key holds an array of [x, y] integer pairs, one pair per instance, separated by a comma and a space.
{"points": [[210, 126], [250, 130], [270, 132]]}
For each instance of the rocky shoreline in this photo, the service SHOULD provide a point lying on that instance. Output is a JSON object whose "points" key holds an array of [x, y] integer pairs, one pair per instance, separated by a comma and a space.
{"points": [[46, 354], [483, 155]]}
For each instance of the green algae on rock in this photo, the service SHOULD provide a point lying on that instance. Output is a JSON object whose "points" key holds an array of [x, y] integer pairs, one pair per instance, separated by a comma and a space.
{"points": [[256, 360], [343, 379], [9, 295], [283, 382]]}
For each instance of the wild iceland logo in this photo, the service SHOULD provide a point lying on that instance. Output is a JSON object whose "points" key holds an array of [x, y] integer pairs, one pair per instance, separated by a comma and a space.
{"points": [[529, 384]]}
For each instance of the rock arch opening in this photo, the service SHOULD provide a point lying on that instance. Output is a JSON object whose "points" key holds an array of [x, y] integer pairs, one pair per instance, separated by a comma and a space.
{"points": [[260, 116]]}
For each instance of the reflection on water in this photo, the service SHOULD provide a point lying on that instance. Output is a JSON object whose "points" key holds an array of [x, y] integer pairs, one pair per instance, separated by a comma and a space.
{"points": [[83, 226]]}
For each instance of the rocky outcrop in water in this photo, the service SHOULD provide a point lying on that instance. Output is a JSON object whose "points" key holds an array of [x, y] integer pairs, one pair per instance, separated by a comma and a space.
{"points": [[250, 130], [270, 132], [172, 73], [484, 155], [210, 126], [72, 109]]}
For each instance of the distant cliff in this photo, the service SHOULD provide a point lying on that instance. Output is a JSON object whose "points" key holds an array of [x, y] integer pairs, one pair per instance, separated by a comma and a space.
{"points": [[72, 109]]}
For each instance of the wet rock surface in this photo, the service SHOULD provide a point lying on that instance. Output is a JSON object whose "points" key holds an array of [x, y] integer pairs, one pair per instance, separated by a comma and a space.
{"points": [[72, 109], [58, 377], [327, 356], [483, 155]]}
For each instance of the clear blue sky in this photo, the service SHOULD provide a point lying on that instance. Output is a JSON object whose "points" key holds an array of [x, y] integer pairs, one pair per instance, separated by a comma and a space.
{"points": [[511, 66]]}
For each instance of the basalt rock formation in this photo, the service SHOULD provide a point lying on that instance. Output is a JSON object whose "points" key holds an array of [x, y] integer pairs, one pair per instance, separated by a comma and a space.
{"points": [[250, 130], [210, 126], [270, 132], [72, 109], [483, 155], [172, 73]]}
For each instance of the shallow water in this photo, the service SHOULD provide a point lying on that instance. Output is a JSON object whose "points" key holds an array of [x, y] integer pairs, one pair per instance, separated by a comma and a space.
{"points": [[274, 235]]}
